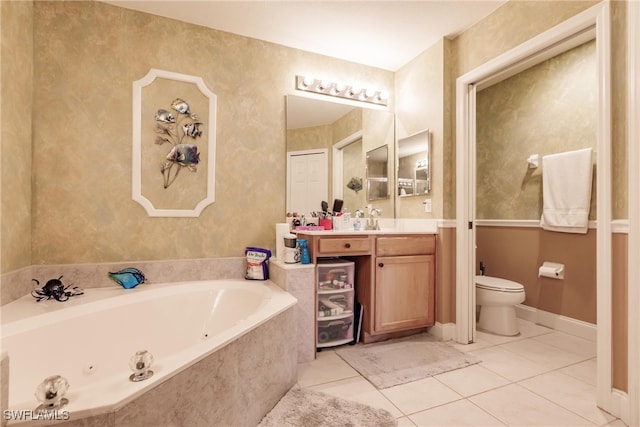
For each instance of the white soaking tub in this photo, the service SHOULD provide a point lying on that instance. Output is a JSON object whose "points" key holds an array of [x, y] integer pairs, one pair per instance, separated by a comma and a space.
{"points": [[89, 340]]}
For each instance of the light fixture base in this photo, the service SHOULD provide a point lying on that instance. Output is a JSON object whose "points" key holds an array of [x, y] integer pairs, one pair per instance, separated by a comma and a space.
{"points": [[341, 90]]}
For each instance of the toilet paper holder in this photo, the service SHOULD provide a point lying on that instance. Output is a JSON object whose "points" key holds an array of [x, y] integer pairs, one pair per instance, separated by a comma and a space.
{"points": [[553, 270]]}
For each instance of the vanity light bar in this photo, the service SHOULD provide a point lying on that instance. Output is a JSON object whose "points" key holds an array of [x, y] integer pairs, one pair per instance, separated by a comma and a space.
{"points": [[341, 90]]}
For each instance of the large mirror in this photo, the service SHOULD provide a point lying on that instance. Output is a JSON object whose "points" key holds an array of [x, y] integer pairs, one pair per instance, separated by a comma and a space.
{"points": [[346, 133], [414, 165]]}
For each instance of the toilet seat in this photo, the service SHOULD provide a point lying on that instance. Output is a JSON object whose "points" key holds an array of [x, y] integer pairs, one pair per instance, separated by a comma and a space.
{"points": [[497, 284]]}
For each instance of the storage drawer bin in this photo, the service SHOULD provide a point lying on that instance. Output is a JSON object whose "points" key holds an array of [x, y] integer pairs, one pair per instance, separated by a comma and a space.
{"points": [[333, 274], [335, 331], [335, 303]]}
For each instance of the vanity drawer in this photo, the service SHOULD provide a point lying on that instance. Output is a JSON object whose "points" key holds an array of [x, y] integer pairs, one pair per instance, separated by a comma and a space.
{"points": [[406, 245], [344, 246]]}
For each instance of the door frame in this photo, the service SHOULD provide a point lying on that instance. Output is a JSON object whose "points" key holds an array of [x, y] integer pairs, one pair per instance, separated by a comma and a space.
{"points": [[633, 240], [595, 17], [338, 165], [290, 155]]}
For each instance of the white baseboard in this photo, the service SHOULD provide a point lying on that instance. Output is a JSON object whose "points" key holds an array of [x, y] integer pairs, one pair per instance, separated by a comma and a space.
{"points": [[443, 331], [558, 322]]}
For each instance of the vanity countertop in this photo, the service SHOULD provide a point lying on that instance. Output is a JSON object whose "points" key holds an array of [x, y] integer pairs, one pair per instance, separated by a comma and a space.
{"points": [[347, 232], [389, 226]]}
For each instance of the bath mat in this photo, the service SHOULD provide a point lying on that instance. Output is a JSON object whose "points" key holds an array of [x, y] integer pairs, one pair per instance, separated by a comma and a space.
{"points": [[308, 408], [399, 361]]}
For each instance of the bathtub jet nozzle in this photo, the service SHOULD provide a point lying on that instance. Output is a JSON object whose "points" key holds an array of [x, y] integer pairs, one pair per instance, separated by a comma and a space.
{"points": [[140, 364]]}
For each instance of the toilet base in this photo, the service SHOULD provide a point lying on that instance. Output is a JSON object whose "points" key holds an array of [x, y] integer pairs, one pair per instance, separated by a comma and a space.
{"points": [[500, 320]]}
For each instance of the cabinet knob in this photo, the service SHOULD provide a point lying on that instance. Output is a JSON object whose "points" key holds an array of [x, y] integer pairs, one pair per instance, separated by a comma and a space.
{"points": [[347, 245], [381, 264]]}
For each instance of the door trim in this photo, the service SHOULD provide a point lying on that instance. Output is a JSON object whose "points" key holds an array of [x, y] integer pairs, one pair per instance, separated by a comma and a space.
{"points": [[338, 166], [633, 240]]}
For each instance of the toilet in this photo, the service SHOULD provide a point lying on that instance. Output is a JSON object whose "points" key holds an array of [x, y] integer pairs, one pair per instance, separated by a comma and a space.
{"points": [[497, 299]]}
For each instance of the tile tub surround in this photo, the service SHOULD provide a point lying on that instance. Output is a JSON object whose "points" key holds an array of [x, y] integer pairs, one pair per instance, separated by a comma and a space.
{"points": [[299, 280], [16, 284], [235, 386]]}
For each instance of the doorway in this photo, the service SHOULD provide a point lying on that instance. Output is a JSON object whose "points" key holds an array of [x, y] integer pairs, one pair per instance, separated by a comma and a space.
{"points": [[307, 180], [541, 47]]}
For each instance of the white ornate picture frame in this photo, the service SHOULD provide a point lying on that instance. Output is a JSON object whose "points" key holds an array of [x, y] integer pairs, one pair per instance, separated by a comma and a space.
{"points": [[164, 111]]}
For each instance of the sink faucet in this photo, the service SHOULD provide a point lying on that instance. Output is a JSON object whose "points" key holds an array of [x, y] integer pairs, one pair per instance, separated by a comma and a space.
{"points": [[372, 224]]}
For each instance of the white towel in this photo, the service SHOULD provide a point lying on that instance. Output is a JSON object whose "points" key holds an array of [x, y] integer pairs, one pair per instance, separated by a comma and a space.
{"points": [[566, 191]]}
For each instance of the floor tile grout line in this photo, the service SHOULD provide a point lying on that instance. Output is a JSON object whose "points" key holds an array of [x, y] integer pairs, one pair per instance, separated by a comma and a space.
{"points": [[510, 382], [537, 375], [488, 412], [483, 391], [524, 355], [329, 382], [557, 404]]}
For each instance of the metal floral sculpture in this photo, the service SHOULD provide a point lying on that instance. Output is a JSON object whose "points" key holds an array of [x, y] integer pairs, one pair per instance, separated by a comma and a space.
{"points": [[173, 129]]}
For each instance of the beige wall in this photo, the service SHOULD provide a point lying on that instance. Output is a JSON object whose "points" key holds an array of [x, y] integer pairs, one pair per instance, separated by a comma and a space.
{"points": [[509, 26], [516, 253], [419, 105], [87, 54], [16, 72], [547, 109]]}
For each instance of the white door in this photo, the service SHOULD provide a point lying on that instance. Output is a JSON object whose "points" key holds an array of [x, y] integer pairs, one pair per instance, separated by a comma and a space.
{"points": [[307, 180]]}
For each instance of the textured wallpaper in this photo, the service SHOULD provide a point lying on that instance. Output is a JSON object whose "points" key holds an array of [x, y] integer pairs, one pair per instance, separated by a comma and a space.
{"points": [[510, 25], [547, 109], [420, 99], [16, 51], [87, 54]]}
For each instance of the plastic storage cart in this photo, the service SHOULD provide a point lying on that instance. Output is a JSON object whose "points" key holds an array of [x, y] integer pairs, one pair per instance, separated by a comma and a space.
{"points": [[335, 301]]}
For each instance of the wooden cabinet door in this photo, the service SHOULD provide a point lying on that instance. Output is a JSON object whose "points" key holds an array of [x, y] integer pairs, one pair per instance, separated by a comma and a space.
{"points": [[404, 293]]}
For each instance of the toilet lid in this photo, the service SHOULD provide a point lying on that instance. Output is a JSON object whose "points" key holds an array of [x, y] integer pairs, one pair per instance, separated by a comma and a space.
{"points": [[497, 284]]}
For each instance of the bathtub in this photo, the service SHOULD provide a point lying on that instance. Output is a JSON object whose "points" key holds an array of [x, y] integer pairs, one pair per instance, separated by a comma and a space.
{"points": [[186, 326]]}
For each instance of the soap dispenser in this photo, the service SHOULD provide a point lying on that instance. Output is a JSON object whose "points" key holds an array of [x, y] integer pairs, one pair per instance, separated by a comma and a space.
{"points": [[356, 223]]}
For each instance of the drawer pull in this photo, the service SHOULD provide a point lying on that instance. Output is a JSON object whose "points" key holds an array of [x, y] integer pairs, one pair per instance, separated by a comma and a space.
{"points": [[347, 245], [381, 264]]}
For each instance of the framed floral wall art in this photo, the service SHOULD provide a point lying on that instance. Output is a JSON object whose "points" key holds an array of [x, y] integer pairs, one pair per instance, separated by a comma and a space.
{"points": [[174, 131]]}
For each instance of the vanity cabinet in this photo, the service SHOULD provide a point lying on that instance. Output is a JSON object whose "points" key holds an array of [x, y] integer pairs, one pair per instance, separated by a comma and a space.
{"points": [[403, 297], [404, 288], [394, 278]]}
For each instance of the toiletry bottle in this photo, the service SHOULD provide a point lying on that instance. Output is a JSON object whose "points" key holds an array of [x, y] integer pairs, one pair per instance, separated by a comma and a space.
{"points": [[356, 223], [304, 252]]}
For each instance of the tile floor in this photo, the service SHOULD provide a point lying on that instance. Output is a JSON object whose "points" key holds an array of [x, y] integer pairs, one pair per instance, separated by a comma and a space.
{"points": [[539, 378]]}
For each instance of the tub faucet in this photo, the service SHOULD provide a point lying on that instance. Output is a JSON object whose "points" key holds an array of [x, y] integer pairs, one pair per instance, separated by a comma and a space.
{"points": [[372, 224]]}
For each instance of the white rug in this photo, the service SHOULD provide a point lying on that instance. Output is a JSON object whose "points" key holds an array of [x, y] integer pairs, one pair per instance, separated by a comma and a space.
{"points": [[399, 361], [307, 408]]}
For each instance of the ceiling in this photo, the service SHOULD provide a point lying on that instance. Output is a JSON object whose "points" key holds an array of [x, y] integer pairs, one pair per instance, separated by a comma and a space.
{"points": [[382, 34]]}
